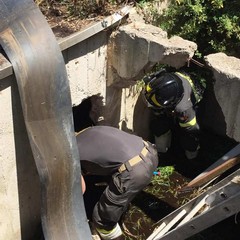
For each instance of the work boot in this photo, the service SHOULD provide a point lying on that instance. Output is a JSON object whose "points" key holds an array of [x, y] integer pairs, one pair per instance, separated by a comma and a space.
{"points": [[114, 234], [192, 154], [95, 237], [120, 237]]}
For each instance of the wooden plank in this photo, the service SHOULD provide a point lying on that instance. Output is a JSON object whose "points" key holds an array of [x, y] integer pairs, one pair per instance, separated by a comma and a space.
{"points": [[156, 231], [170, 224], [194, 211], [209, 175], [232, 153]]}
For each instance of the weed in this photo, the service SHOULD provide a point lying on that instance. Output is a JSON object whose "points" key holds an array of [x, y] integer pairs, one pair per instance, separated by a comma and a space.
{"points": [[163, 177]]}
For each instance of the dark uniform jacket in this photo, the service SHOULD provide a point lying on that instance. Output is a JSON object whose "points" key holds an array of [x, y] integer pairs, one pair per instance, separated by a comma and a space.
{"points": [[104, 149], [127, 158]]}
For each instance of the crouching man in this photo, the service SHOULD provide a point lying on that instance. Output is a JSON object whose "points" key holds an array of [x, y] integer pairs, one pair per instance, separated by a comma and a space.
{"points": [[128, 159]]}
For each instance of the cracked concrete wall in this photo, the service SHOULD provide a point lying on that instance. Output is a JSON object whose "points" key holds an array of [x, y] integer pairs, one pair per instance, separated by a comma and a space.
{"points": [[19, 181], [86, 67], [223, 116], [134, 48]]}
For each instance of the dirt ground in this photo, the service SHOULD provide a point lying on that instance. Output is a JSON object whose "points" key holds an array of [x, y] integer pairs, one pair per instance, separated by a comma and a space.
{"points": [[65, 19]]}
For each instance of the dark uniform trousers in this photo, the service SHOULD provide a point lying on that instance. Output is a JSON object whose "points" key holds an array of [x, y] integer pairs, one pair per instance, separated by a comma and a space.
{"points": [[123, 187]]}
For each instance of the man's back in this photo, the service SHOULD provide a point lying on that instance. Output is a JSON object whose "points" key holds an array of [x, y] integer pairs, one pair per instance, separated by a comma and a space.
{"points": [[103, 149]]}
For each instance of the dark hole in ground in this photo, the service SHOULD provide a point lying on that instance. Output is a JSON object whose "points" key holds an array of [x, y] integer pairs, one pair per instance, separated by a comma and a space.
{"points": [[157, 201]]}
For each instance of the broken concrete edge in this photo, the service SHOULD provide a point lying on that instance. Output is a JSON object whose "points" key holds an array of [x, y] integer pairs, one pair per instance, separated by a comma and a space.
{"points": [[220, 62], [141, 45], [6, 68]]}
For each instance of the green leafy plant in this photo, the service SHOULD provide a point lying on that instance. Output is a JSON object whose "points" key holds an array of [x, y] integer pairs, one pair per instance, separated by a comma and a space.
{"points": [[214, 25], [163, 177]]}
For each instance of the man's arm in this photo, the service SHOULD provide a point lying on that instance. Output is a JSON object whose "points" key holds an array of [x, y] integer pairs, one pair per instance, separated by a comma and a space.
{"points": [[83, 184], [188, 121]]}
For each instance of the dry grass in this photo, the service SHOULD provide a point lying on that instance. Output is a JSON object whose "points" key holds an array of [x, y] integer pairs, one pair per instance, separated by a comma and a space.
{"points": [[68, 16]]}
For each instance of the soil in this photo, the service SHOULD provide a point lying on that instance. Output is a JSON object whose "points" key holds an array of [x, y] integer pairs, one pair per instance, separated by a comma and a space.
{"points": [[64, 20]]}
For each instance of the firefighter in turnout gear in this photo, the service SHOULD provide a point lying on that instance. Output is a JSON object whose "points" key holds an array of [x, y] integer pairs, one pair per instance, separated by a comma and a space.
{"points": [[128, 159], [173, 97]]}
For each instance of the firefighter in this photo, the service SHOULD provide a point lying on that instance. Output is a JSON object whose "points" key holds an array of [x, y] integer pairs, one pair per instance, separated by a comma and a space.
{"points": [[130, 161], [173, 97]]}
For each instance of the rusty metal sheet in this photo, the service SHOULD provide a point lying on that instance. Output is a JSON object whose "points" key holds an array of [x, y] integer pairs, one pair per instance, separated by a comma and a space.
{"points": [[44, 89]]}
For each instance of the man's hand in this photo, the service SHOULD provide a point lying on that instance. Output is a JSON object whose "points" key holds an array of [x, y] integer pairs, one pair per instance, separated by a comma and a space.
{"points": [[83, 185]]}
